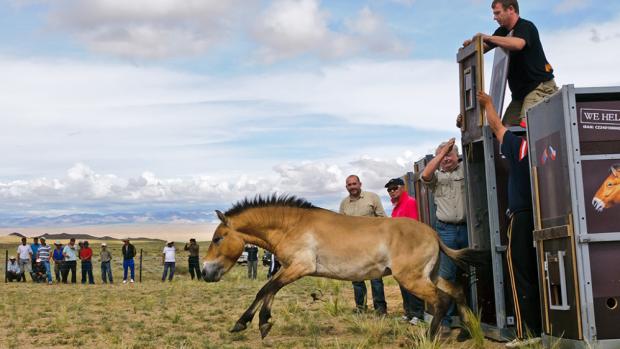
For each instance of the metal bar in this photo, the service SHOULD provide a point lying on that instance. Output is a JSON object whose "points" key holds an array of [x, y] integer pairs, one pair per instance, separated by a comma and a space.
{"points": [[6, 266], [140, 276], [600, 237], [600, 157]]}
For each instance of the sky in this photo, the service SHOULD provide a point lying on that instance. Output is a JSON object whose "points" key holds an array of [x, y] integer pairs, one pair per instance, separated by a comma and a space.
{"points": [[148, 107]]}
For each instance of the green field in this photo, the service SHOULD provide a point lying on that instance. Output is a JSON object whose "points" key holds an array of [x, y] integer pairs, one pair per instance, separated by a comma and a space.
{"points": [[192, 314]]}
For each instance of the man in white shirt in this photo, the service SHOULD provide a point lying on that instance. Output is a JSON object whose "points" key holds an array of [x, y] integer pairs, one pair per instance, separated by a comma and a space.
{"points": [[169, 260], [24, 254], [13, 273]]}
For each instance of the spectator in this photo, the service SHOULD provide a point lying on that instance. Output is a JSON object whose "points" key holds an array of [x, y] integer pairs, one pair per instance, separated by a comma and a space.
{"points": [[70, 263], [35, 248], [58, 259], [106, 264], [444, 176], [406, 206], [43, 254], [24, 253], [86, 256], [365, 204], [193, 259], [252, 260], [168, 259], [38, 272], [129, 252], [13, 272]]}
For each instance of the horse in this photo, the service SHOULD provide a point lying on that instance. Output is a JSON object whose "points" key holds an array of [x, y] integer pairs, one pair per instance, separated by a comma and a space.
{"points": [[608, 194], [311, 241]]}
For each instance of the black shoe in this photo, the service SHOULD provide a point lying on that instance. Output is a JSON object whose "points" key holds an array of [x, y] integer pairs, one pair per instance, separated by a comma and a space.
{"points": [[381, 311]]}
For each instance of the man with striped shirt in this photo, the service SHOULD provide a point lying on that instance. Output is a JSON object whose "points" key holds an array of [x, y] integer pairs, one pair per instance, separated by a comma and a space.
{"points": [[43, 253]]}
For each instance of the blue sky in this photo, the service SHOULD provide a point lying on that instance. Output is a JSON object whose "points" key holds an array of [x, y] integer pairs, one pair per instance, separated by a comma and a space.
{"points": [[146, 105]]}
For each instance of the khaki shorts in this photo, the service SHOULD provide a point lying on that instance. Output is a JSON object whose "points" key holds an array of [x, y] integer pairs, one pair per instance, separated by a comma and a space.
{"points": [[516, 109]]}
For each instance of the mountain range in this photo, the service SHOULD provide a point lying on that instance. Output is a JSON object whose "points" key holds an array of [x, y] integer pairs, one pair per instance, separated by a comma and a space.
{"points": [[112, 218]]}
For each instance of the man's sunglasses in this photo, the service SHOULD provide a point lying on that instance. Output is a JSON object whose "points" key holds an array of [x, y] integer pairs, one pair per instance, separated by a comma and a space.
{"points": [[391, 189]]}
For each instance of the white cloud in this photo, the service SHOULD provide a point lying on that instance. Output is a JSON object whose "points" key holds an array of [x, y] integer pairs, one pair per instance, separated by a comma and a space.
{"points": [[148, 29], [291, 28]]}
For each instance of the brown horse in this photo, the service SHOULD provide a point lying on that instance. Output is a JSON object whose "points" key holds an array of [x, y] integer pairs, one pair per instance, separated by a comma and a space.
{"points": [[310, 241], [608, 194]]}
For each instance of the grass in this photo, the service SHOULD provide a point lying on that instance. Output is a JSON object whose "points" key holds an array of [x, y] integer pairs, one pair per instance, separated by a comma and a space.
{"points": [[311, 313]]}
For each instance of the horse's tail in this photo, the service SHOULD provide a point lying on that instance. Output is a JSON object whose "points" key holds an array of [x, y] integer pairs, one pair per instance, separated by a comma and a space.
{"points": [[466, 256]]}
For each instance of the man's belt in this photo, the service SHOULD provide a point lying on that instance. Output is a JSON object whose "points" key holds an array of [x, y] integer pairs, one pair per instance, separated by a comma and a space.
{"points": [[459, 223]]}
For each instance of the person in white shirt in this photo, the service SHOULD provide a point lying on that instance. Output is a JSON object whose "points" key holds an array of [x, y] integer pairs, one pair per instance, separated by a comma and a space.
{"points": [[168, 260], [13, 273], [24, 255]]}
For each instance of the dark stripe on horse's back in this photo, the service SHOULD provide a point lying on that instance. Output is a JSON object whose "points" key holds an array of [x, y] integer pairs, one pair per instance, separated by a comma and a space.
{"points": [[269, 201]]}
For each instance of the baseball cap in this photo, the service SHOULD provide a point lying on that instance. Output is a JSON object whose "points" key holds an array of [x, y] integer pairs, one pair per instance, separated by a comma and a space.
{"points": [[11, 257], [38, 260], [394, 182], [104, 244]]}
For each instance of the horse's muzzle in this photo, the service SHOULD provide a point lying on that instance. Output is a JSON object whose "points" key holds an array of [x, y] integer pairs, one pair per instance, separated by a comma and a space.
{"points": [[598, 204], [212, 271]]}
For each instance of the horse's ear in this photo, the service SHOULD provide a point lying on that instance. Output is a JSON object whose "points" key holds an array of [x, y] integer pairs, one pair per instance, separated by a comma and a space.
{"points": [[222, 217], [615, 170]]}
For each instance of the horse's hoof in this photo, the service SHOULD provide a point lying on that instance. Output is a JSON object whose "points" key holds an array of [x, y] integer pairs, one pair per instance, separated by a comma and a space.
{"points": [[238, 327], [264, 329], [463, 336]]}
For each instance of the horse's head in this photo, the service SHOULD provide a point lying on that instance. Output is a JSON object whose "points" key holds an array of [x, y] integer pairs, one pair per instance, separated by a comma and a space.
{"points": [[608, 194], [226, 247]]}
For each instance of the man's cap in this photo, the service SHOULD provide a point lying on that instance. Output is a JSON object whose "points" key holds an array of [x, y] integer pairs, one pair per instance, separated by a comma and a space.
{"points": [[38, 260], [57, 242], [42, 238], [394, 182], [125, 239], [104, 244], [11, 257], [170, 242]]}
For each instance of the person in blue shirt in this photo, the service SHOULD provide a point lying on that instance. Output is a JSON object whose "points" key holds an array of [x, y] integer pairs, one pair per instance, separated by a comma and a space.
{"points": [[35, 248], [523, 275], [58, 260]]}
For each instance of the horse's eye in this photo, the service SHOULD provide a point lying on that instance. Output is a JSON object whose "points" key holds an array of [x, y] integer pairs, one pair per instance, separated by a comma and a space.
{"points": [[610, 184], [216, 240]]}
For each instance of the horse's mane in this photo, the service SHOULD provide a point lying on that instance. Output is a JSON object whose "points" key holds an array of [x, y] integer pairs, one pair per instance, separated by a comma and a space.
{"points": [[269, 201]]}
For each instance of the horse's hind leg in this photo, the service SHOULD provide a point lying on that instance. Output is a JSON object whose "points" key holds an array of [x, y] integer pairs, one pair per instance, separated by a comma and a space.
{"points": [[284, 277], [428, 291], [456, 292]]}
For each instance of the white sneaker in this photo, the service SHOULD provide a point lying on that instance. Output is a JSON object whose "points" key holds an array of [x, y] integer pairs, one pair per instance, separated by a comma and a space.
{"points": [[519, 343], [415, 321], [131, 281], [124, 281], [405, 318]]}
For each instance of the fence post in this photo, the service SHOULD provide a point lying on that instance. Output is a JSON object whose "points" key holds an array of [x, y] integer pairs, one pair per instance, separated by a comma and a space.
{"points": [[6, 266], [140, 278]]}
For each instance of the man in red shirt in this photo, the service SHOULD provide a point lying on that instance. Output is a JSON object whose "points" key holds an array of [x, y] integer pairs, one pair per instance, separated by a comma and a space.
{"points": [[86, 255], [406, 206]]}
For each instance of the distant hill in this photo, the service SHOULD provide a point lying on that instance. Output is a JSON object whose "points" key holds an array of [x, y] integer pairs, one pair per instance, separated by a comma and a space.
{"points": [[202, 216], [17, 234], [65, 236]]}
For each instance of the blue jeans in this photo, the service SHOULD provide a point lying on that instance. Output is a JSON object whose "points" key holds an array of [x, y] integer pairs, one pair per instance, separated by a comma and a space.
{"points": [[412, 305], [87, 270], [378, 297], [172, 267], [48, 270], [128, 264], [454, 236], [106, 272]]}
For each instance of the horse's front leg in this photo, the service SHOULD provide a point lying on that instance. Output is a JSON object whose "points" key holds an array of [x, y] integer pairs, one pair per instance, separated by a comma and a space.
{"points": [[248, 315], [283, 278]]}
